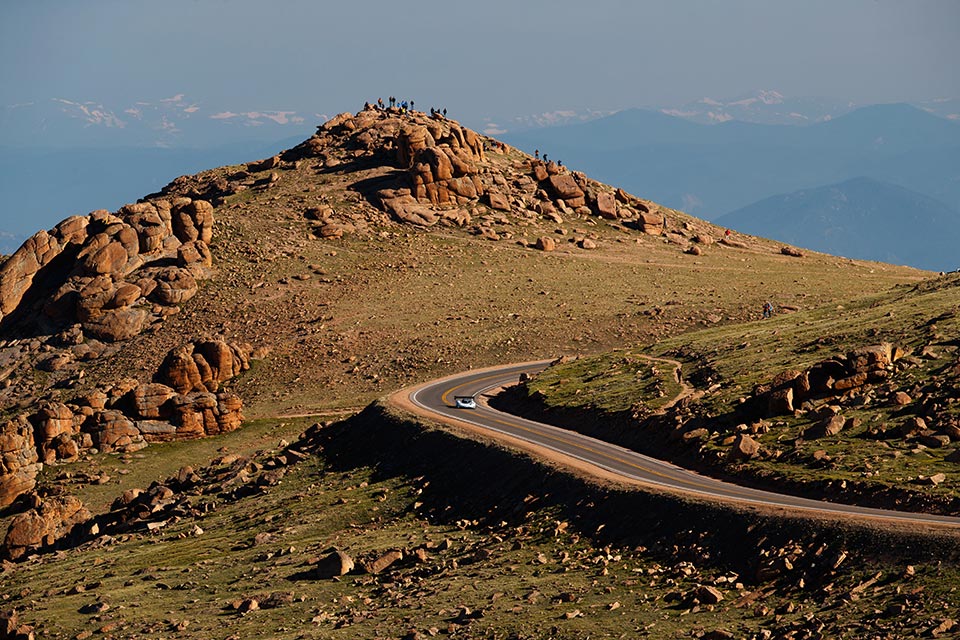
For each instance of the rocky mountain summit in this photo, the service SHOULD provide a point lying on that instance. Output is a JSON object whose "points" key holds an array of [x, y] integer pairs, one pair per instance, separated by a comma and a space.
{"points": [[433, 171]]}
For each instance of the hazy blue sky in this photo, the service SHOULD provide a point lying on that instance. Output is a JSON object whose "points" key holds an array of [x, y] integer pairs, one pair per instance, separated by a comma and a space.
{"points": [[477, 58]]}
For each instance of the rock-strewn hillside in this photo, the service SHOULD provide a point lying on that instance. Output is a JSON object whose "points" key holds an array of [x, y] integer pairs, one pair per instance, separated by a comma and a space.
{"points": [[71, 293], [386, 249], [326, 264]]}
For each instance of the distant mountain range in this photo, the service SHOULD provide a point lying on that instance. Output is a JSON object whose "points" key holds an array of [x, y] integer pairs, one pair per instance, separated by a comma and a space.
{"points": [[759, 107], [709, 170], [177, 121], [708, 157], [860, 218], [191, 122], [772, 107]]}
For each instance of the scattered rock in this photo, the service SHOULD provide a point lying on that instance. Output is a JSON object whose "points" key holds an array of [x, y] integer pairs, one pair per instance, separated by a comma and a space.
{"points": [[744, 447], [382, 562], [497, 200], [933, 480], [708, 595], [336, 563], [901, 399], [827, 427], [545, 243]]}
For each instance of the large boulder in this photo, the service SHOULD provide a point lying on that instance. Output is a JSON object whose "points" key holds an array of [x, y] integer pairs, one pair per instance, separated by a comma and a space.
{"points": [[780, 401], [174, 286], [224, 360], [744, 447], [108, 259], [497, 200], [179, 371], [407, 209], [563, 186], [192, 220], [206, 414], [150, 401], [872, 358], [411, 140], [606, 205], [826, 427], [434, 164], [149, 223], [114, 325], [195, 252], [545, 243], [18, 271], [334, 564]]}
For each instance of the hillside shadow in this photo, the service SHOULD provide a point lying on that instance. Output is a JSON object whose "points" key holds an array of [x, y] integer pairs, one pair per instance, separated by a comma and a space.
{"points": [[368, 187], [461, 478]]}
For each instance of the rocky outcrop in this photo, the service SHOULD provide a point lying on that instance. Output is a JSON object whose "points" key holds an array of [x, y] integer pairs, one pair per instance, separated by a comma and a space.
{"points": [[184, 401], [868, 375], [832, 377], [56, 427], [41, 527], [114, 431], [19, 462], [109, 273], [442, 160], [447, 175]]}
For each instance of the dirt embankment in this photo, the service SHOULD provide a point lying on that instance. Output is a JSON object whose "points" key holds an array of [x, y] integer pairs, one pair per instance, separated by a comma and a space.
{"points": [[659, 435], [473, 478]]}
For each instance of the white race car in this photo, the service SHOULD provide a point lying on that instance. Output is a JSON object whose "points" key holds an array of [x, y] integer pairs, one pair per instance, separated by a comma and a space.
{"points": [[464, 402]]}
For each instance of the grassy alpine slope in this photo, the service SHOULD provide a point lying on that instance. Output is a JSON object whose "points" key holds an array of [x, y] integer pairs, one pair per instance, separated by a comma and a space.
{"points": [[882, 454], [343, 303]]}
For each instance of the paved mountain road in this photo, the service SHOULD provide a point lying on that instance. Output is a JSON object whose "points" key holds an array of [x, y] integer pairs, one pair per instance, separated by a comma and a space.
{"points": [[435, 400]]}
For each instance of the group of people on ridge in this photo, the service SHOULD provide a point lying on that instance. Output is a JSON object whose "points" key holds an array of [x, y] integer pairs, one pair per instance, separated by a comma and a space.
{"points": [[403, 105], [536, 156]]}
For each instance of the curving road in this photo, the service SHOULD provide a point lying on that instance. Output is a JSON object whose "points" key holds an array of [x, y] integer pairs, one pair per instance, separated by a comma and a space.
{"points": [[435, 400]]}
